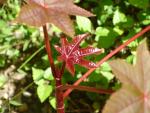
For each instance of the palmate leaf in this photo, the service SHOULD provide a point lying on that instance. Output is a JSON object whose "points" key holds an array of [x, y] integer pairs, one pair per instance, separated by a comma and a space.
{"points": [[134, 96], [39, 12], [72, 54]]}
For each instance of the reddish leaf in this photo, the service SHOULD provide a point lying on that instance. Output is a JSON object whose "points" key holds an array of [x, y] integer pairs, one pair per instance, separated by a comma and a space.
{"points": [[72, 54], [134, 96], [88, 51], [87, 64], [40, 12]]}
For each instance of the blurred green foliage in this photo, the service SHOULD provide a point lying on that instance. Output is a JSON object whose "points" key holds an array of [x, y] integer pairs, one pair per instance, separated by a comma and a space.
{"points": [[115, 22]]}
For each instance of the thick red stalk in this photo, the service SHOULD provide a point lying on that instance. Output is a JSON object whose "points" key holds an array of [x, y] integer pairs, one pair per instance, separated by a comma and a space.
{"points": [[86, 88], [59, 93], [56, 73], [48, 50], [106, 58]]}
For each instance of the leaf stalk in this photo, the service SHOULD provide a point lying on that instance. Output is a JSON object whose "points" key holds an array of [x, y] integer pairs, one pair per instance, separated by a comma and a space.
{"points": [[146, 29]]}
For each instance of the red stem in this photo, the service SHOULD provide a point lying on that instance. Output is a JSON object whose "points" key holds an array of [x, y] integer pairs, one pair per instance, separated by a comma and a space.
{"points": [[63, 68], [86, 88], [48, 50], [56, 73], [106, 58], [59, 93]]}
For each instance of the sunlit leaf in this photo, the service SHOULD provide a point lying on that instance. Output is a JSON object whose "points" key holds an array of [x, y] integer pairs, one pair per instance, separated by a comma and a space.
{"points": [[48, 74], [84, 24], [37, 74], [52, 101], [134, 96], [105, 36], [15, 103], [44, 92], [108, 75], [3, 80], [119, 17]]}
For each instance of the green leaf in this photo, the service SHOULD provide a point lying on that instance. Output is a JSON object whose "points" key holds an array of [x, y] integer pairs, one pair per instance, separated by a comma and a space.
{"points": [[15, 103], [2, 61], [119, 17], [95, 78], [144, 17], [56, 29], [99, 79], [48, 74], [118, 30], [132, 33], [3, 80], [40, 82], [2, 24], [1, 109], [13, 53], [146, 22], [105, 67], [105, 37], [105, 70], [37, 74], [139, 3], [131, 59], [84, 24], [129, 22], [6, 31], [108, 75], [101, 31], [106, 12], [52, 102], [26, 45], [76, 1], [44, 92]]}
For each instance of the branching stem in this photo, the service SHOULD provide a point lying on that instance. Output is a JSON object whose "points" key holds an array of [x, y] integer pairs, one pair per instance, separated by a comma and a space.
{"points": [[56, 73], [107, 57], [86, 88]]}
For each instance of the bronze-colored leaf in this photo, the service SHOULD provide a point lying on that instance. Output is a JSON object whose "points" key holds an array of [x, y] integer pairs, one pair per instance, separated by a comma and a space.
{"points": [[39, 12], [134, 95], [33, 15]]}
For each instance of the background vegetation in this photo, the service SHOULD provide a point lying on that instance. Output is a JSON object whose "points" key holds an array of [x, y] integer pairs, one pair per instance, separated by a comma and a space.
{"points": [[24, 65]]}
